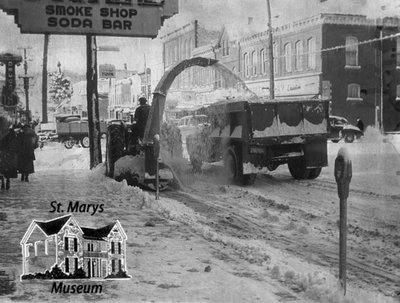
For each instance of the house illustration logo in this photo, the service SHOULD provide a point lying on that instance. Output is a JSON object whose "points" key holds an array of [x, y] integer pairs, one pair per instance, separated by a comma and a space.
{"points": [[62, 249]]}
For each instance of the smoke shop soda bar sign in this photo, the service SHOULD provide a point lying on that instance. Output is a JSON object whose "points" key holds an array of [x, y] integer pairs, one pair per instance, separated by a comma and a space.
{"points": [[133, 18]]}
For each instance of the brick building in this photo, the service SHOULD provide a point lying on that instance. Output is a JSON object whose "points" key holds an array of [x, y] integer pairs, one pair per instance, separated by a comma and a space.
{"points": [[178, 44], [335, 53], [341, 51]]}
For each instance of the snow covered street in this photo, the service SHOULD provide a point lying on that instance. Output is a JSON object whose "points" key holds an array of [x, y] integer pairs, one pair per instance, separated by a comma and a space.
{"points": [[274, 241]]}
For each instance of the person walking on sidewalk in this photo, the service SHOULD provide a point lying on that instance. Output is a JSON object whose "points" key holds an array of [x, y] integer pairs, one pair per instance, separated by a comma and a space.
{"points": [[27, 143], [8, 158]]}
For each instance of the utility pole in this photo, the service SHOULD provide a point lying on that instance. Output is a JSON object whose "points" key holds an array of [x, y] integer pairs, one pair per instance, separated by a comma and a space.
{"points": [[44, 78], [271, 55], [93, 101], [381, 78], [145, 77], [26, 84]]}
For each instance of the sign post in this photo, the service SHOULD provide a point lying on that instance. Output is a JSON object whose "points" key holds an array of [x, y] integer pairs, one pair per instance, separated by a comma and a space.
{"points": [[93, 102], [9, 99], [343, 174]]}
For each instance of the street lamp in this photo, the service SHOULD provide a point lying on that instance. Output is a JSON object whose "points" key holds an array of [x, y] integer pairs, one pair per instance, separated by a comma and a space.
{"points": [[26, 83]]}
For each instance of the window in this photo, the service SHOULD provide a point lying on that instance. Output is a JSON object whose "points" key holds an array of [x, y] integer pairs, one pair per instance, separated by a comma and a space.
{"points": [[275, 51], [76, 264], [264, 61], [353, 92], [246, 67], [187, 49], [119, 247], [176, 51], [66, 264], [398, 52], [112, 247], [190, 47], [351, 51], [398, 92], [66, 247], [113, 265], [120, 265], [288, 57], [311, 53], [75, 244], [299, 55], [225, 47], [254, 63]]}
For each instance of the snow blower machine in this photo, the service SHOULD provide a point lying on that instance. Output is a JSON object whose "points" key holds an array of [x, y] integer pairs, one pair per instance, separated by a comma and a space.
{"points": [[136, 160]]}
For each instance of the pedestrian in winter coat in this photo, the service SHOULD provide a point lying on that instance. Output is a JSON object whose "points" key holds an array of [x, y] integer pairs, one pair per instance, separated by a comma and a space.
{"points": [[8, 158], [27, 142], [141, 115]]}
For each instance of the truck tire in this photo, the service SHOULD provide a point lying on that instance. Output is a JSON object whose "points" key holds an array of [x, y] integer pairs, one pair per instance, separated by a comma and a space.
{"points": [[234, 168], [114, 147], [85, 142], [314, 173], [69, 143], [231, 165], [298, 169], [248, 179]]}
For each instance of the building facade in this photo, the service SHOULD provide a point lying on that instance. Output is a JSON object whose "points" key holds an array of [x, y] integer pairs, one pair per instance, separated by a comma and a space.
{"points": [[341, 53], [100, 252], [124, 93], [349, 59]]}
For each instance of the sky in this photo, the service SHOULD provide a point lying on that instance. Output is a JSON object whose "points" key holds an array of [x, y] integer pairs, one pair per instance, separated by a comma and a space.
{"points": [[71, 50]]}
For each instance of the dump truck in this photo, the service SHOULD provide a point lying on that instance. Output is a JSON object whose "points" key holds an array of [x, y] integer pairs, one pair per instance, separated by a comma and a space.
{"points": [[257, 137]]}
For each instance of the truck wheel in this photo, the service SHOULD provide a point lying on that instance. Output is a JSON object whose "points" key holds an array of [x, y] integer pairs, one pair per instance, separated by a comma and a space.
{"points": [[298, 169], [231, 165], [349, 138], [248, 179], [85, 142], [314, 173], [114, 147], [69, 144]]}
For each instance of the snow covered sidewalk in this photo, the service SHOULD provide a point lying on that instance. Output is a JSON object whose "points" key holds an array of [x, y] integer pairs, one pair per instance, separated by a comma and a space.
{"points": [[166, 259]]}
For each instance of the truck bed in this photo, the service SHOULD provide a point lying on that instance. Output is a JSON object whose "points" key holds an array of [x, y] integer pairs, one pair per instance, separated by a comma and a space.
{"points": [[245, 120]]}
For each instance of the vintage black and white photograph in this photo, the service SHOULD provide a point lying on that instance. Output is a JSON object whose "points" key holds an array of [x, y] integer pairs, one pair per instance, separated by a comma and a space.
{"points": [[200, 151]]}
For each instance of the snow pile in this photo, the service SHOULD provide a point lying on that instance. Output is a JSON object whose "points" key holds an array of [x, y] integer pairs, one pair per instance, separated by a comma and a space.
{"points": [[129, 165], [56, 156], [373, 135]]}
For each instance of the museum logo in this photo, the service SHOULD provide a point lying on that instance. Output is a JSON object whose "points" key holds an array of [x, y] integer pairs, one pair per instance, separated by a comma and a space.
{"points": [[62, 249]]}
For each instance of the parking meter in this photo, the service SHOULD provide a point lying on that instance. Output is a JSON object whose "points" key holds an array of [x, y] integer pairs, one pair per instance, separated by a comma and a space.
{"points": [[156, 146], [343, 173]]}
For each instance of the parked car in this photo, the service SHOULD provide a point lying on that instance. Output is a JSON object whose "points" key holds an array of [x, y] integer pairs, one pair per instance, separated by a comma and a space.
{"points": [[340, 128]]}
